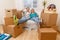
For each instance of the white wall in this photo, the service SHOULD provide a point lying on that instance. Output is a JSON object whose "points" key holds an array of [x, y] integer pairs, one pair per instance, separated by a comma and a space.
{"points": [[57, 3], [5, 4], [19, 5]]}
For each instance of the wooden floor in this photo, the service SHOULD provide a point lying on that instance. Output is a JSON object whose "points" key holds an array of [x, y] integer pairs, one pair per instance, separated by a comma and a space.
{"points": [[32, 35], [28, 35]]}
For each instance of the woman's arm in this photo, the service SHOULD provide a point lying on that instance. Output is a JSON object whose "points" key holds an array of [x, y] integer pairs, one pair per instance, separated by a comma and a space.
{"points": [[36, 14]]}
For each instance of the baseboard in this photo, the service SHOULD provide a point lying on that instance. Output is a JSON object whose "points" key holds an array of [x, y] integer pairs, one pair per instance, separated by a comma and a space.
{"points": [[1, 24]]}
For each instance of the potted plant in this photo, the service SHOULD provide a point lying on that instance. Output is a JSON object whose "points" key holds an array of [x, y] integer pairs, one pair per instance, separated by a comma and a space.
{"points": [[44, 3]]}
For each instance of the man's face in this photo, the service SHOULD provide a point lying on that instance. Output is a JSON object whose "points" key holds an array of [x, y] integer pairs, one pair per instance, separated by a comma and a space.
{"points": [[27, 9]]}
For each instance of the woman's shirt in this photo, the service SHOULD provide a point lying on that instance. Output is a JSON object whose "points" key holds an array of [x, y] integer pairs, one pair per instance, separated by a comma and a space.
{"points": [[26, 14], [33, 15]]}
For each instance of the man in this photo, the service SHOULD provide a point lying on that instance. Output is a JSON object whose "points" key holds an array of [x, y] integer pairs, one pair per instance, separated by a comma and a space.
{"points": [[25, 16]]}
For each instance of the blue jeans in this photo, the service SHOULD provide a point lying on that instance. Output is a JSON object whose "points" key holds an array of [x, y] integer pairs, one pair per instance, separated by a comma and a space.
{"points": [[36, 19], [23, 19]]}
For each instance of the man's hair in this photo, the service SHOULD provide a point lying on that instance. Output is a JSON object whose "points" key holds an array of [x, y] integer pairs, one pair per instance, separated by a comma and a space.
{"points": [[27, 7]]}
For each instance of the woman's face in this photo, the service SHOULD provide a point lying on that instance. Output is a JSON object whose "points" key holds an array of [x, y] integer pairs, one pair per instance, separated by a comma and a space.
{"points": [[32, 11]]}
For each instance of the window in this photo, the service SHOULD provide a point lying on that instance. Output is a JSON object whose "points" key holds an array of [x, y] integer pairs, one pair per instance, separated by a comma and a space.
{"points": [[30, 3], [34, 3]]}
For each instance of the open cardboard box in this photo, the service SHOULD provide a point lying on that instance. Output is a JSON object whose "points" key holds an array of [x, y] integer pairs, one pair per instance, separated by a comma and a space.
{"points": [[13, 30], [10, 12], [48, 18]]}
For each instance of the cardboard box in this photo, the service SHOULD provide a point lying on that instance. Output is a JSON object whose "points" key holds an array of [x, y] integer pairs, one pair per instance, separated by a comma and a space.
{"points": [[55, 27], [10, 12], [19, 14], [14, 11], [47, 34], [5, 29], [13, 30], [44, 26], [49, 19], [9, 20]]}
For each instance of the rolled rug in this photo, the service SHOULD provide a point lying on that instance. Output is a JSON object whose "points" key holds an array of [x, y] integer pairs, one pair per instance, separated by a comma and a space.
{"points": [[5, 36], [0, 35]]}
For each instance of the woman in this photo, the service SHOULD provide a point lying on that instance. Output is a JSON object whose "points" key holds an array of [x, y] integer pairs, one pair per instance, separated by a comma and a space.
{"points": [[33, 23]]}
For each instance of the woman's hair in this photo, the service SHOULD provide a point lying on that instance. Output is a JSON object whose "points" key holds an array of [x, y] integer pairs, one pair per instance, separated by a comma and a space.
{"points": [[32, 10]]}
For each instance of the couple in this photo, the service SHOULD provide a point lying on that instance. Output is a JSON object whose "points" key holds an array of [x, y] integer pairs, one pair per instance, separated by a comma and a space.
{"points": [[31, 19]]}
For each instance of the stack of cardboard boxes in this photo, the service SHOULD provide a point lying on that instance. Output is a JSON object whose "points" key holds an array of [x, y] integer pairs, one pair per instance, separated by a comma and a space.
{"points": [[49, 19], [48, 26], [9, 26]]}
